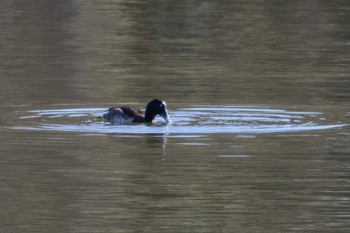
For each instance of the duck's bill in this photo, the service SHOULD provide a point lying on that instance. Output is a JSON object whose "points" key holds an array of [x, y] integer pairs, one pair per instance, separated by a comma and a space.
{"points": [[166, 117]]}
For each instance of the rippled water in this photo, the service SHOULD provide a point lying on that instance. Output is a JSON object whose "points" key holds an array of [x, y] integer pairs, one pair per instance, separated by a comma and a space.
{"points": [[196, 120], [258, 92], [214, 167]]}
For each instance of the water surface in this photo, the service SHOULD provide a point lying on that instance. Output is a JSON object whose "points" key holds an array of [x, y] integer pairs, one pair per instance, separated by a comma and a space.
{"points": [[196, 120], [258, 92]]}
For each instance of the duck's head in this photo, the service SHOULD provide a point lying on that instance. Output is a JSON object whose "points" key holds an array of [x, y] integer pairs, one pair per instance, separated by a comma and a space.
{"points": [[156, 107]]}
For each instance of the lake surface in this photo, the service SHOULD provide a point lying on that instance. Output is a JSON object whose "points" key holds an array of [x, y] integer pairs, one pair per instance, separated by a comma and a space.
{"points": [[259, 97]]}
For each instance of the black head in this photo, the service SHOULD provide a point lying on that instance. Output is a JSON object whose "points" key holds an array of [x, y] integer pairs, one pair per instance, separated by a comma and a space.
{"points": [[156, 107]]}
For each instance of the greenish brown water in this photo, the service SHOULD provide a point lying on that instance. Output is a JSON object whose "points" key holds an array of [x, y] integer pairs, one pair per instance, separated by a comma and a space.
{"points": [[258, 92]]}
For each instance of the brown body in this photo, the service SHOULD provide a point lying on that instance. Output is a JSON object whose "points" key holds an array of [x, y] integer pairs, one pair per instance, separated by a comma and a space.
{"points": [[127, 114]]}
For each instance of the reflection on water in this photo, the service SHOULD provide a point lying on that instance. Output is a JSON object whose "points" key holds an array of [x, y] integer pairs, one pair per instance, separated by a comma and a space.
{"points": [[82, 180], [198, 120], [225, 164]]}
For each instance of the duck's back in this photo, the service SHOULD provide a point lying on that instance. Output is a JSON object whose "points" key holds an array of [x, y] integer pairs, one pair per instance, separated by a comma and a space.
{"points": [[125, 114]]}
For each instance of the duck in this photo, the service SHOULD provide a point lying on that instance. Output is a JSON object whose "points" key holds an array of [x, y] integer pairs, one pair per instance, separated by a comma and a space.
{"points": [[128, 114]]}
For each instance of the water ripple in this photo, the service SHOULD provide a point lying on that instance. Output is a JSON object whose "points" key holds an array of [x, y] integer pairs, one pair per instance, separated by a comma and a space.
{"points": [[197, 120]]}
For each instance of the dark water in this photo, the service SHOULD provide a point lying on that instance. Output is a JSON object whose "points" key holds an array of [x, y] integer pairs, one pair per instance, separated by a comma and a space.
{"points": [[258, 92]]}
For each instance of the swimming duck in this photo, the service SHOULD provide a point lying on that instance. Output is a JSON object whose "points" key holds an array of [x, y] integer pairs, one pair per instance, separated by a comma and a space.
{"points": [[127, 114]]}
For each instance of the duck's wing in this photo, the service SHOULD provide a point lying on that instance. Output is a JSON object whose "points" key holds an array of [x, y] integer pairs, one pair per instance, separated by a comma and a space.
{"points": [[125, 114], [132, 112]]}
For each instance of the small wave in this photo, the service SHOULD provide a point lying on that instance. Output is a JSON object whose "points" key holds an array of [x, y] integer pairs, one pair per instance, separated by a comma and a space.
{"points": [[197, 120]]}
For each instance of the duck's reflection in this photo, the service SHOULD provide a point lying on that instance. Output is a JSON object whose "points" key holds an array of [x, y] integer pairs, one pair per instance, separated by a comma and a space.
{"points": [[151, 143], [158, 141]]}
